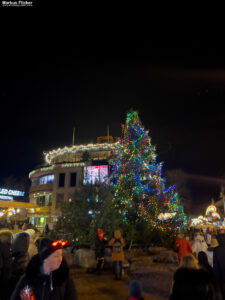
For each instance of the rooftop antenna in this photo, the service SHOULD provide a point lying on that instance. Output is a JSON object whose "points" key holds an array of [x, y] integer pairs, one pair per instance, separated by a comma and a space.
{"points": [[73, 135]]}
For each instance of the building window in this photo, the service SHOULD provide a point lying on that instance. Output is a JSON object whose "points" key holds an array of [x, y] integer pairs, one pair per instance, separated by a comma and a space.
{"points": [[46, 179], [61, 179], [40, 201], [44, 200], [73, 179], [59, 200]]}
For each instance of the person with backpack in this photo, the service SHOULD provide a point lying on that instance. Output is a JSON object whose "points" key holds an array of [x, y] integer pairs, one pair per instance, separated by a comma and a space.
{"points": [[117, 243]]}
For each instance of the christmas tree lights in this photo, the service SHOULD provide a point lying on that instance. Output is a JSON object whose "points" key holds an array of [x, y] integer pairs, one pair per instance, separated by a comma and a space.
{"points": [[137, 179]]}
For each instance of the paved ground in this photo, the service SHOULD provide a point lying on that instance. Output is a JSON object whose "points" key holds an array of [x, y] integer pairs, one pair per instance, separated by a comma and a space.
{"points": [[156, 280]]}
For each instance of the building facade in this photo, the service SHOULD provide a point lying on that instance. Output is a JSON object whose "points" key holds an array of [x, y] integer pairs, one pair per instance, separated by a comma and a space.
{"points": [[66, 169]]}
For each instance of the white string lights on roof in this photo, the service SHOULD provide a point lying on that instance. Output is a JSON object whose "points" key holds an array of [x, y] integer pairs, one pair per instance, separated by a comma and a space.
{"points": [[49, 156]]}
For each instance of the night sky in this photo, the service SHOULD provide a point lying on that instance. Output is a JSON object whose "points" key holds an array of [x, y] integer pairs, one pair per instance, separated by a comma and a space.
{"points": [[178, 89]]}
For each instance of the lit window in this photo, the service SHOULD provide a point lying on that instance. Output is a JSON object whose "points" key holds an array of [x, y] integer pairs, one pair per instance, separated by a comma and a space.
{"points": [[46, 179]]}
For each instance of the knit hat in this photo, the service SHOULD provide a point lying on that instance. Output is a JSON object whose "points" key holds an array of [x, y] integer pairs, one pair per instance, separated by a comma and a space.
{"points": [[135, 289], [47, 247], [100, 231], [100, 234]]}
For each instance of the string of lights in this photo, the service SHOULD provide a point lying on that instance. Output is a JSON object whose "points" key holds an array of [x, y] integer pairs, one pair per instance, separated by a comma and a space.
{"points": [[137, 177]]}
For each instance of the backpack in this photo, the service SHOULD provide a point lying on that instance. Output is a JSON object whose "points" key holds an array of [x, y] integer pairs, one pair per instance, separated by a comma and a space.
{"points": [[117, 246]]}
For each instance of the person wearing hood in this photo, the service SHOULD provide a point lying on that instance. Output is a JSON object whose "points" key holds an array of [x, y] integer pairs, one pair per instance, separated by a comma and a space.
{"points": [[5, 263], [20, 256], [219, 264], [117, 243], [199, 244], [100, 242], [46, 276], [32, 250]]}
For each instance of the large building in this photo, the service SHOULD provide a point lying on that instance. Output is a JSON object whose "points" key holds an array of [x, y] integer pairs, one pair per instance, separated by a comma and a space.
{"points": [[65, 170]]}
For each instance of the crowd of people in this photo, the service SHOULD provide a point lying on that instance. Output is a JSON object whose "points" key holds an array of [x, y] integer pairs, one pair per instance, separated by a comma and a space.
{"points": [[34, 268], [201, 271]]}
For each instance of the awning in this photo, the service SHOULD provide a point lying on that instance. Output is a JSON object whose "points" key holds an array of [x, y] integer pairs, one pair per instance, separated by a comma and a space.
{"points": [[13, 204]]}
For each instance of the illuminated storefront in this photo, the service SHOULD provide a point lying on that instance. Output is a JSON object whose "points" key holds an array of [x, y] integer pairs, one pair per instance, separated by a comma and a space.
{"points": [[54, 184]]}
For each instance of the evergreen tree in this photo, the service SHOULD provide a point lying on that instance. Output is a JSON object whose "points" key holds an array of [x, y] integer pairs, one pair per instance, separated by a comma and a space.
{"points": [[139, 188], [92, 207]]}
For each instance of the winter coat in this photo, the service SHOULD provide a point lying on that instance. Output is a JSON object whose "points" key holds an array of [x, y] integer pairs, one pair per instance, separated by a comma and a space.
{"points": [[20, 257], [191, 284], [5, 263], [99, 247], [219, 263], [117, 256], [183, 246], [57, 286], [199, 245]]}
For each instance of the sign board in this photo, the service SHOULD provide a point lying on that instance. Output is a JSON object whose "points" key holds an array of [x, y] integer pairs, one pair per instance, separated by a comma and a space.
{"points": [[7, 194]]}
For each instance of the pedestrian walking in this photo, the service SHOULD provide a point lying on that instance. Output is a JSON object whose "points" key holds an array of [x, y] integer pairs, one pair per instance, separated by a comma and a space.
{"points": [[117, 243], [46, 276], [100, 242], [182, 246]]}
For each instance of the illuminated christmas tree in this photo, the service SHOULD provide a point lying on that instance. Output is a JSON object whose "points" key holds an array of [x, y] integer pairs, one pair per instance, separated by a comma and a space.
{"points": [[138, 184]]}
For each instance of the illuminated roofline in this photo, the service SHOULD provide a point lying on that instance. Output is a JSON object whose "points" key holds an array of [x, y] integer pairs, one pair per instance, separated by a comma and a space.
{"points": [[53, 166], [50, 155]]}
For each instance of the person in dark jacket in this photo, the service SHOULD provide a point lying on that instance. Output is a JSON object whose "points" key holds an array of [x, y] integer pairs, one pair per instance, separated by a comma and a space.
{"points": [[100, 242], [20, 257], [191, 282], [47, 276], [5, 263], [204, 264], [219, 265]]}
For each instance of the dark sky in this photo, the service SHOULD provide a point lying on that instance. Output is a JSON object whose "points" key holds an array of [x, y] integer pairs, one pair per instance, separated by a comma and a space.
{"points": [[178, 88]]}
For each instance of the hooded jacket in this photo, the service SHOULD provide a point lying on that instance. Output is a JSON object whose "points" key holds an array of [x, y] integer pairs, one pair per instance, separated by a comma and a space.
{"points": [[117, 236], [20, 257], [57, 286]]}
